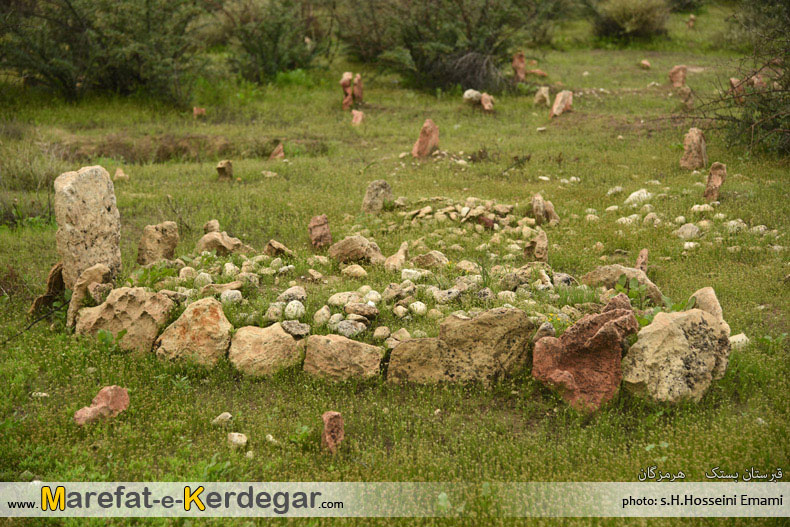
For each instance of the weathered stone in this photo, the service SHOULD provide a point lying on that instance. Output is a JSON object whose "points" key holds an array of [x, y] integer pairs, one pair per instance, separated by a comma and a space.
{"points": [[296, 292], [218, 289], [96, 274], [333, 432], [641, 260], [89, 225], [487, 102], [348, 93], [318, 229], [608, 275], [221, 243], [201, 334], [718, 173], [396, 261], [354, 271], [365, 310], [225, 170], [428, 140], [584, 363], [431, 259], [133, 311], [350, 328], [428, 361], [519, 64], [677, 356], [644, 64], [237, 440], [108, 403], [677, 76], [158, 242], [263, 351], [357, 89], [377, 195], [563, 102], [211, 226], [705, 299], [695, 153], [542, 96], [537, 249], [275, 248], [356, 249], [338, 358], [278, 152], [357, 117]]}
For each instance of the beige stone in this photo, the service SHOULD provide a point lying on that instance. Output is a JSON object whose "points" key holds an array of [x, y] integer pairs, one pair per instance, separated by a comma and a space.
{"points": [[338, 358], [158, 242], [201, 334], [263, 351]]}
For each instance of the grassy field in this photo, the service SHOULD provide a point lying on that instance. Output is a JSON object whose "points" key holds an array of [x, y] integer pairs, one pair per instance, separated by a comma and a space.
{"points": [[626, 129]]}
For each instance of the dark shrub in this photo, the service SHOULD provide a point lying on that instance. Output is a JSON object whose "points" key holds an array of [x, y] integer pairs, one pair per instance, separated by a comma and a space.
{"points": [[629, 19], [79, 46]]}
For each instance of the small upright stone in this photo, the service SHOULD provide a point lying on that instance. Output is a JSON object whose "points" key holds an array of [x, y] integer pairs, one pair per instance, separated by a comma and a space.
{"points": [[644, 64], [333, 433], [225, 170], [695, 153], [641, 261], [377, 195], [718, 173], [563, 102], [357, 89], [348, 94], [318, 229], [519, 64], [158, 242], [108, 403], [677, 76], [428, 140], [357, 117], [542, 96]]}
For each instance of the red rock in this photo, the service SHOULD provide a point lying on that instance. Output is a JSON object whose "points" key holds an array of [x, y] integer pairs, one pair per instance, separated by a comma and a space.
{"points": [[357, 117], [428, 140], [644, 64], [562, 103], [519, 64], [716, 177], [197, 111], [695, 152], [537, 73], [333, 433], [109, 402], [320, 236], [357, 89], [677, 76], [487, 102], [641, 261], [488, 223], [278, 152], [584, 363]]}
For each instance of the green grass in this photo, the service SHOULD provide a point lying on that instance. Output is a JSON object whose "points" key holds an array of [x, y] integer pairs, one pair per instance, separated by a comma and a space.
{"points": [[515, 431]]}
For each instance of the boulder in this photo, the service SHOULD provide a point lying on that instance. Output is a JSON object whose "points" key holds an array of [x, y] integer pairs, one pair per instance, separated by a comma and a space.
{"points": [[338, 358], [677, 356], [96, 274], [158, 242], [428, 361], [140, 314], [495, 342], [263, 351], [108, 403], [89, 225], [428, 140], [398, 260], [221, 243], [333, 432], [377, 195], [201, 334], [695, 153], [608, 275], [356, 249], [718, 173], [563, 102], [584, 363], [677, 76], [431, 259]]}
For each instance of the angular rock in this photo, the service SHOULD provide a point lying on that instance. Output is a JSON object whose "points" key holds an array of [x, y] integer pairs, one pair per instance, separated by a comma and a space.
{"points": [[201, 334], [333, 432], [295, 328], [350, 328], [338, 358], [487, 102], [278, 152], [140, 314], [641, 261], [563, 102], [542, 96], [357, 89], [677, 356], [218, 289], [695, 153], [537, 249], [428, 140], [211, 226], [296, 292], [108, 403], [263, 351], [348, 94], [221, 243], [89, 225], [705, 299], [584, 363], [377, 195], [362, 309], [275, 248], [431, 259], [158, 242], [718, 173], [96, 274], [608, 275], [396, 261], [429, 361], [356, 249], [357, 117]]}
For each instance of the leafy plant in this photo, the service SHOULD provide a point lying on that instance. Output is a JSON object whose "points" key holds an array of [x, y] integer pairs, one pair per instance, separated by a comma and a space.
{"points": [[107, 342], [635, 291], [629, 19]]}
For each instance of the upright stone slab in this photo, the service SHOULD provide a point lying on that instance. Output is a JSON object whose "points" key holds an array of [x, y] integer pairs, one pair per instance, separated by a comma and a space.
{"points": [[89, 225]]}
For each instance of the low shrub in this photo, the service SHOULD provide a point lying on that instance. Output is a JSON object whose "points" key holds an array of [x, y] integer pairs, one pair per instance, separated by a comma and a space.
{"points": [[629, 19], [685, 6]]}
